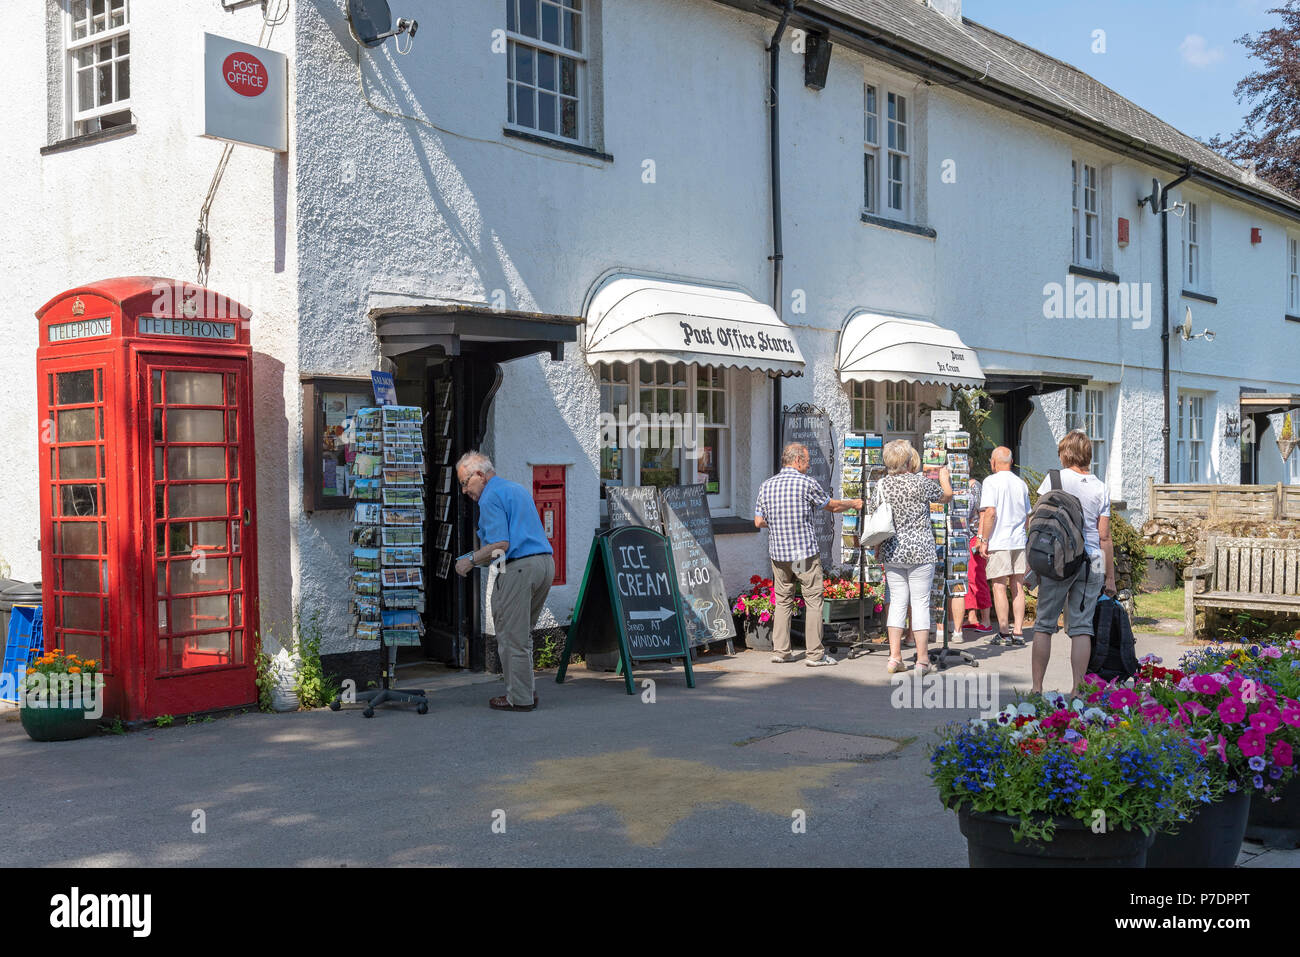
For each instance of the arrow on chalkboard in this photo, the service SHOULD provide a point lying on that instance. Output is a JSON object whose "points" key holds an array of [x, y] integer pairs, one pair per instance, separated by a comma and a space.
{"points": [[659, 615]]}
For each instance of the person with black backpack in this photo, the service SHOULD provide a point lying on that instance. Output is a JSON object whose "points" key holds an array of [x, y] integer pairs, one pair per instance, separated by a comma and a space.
{"points": [[1069, 550]]}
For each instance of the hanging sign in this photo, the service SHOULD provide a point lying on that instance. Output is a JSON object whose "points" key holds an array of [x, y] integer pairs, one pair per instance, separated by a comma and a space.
{"points": [[385, 388], [245, 94], [628, 603]]}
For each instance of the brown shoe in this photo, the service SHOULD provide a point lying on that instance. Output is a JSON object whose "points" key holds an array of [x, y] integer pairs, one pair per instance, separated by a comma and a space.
{"points": [[503, 704]]}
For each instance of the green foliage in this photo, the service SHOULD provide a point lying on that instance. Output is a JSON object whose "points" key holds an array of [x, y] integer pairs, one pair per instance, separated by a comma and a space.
{"points": [[1128, 543], [267, 675], [1244, 626], [192, 719], [975, 407], [315, 688], [118, 726], [548, 655], [164, 721], [1168, 553]]}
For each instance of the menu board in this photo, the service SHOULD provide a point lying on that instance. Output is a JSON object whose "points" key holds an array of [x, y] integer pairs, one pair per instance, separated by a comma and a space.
{"points": [[811, 427], [689, 528], [633, 505]]}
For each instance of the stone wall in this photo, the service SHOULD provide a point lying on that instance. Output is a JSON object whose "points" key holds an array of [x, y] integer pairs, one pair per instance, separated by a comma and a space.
{"points": [[1192, 533]]}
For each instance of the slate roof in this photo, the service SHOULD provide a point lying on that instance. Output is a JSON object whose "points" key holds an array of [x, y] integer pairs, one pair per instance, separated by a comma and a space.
{"points": [[1007, 63]]}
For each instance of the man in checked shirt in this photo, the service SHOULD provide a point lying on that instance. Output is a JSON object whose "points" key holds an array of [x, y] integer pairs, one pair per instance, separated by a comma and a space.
{"points": [[786, 504]]}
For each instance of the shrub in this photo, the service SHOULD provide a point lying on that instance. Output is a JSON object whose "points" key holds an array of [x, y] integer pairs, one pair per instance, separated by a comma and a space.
{"points": [[1168, 553]]}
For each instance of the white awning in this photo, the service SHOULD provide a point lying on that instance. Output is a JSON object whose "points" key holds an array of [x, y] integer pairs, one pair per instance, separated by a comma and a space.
{"points": [[877, 347], [635, 317]]}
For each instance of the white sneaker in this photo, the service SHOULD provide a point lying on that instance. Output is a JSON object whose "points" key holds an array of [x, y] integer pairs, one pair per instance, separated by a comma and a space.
{"points": [[818, 662], [779, 659]]}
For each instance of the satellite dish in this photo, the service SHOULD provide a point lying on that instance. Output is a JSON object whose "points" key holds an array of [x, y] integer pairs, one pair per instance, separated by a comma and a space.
{"points": [[368, 19], [1154, 198], [1186, 329]]}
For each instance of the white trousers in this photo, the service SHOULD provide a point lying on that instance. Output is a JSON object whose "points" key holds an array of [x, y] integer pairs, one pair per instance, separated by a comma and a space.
{"points": [[909, 585]]}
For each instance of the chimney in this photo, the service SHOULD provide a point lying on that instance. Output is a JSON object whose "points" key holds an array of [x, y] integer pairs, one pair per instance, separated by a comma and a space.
{"points": [[949, 8]]}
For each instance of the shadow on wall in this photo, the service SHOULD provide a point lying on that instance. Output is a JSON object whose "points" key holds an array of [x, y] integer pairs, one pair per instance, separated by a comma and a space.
{"points": [[274, 540]]}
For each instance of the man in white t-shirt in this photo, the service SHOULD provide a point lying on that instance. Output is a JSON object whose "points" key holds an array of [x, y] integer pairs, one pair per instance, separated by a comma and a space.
{"points": [[1005, 508], [1077, 596]]}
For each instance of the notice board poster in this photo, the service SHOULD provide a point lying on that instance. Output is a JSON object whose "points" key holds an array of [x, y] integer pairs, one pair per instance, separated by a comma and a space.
{"points": [[689, 529], [811, 427]]}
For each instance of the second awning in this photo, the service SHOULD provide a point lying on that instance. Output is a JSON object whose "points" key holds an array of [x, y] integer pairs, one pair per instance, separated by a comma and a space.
{"points": [[875, 347], [636, 317]]}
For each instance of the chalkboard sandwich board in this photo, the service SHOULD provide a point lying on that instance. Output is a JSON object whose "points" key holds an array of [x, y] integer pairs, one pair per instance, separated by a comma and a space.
{"points": [[629, 603], [633, 505], [689, 527]]}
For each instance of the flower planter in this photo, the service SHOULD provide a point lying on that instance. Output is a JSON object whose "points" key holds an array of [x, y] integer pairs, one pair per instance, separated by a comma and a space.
{"points": [[846, 609], [1276, 822], [989, 844], [1211, 839], [57, 724], [758, 635]]}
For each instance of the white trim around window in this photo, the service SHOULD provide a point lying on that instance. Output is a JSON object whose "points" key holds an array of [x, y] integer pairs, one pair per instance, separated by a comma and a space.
{"points": [[1085, 211], [1293, 275], [887, 159], [1086, 409], [546, 67], [1196, 245], [660, 454], [1191, 451], [97, 64]]}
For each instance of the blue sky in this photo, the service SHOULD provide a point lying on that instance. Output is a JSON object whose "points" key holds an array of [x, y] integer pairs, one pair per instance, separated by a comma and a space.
{"points": [[1176, 58]]}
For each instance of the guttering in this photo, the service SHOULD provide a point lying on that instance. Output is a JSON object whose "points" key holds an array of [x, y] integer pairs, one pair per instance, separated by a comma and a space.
{"points": [[1164, 304], [774, 151]]}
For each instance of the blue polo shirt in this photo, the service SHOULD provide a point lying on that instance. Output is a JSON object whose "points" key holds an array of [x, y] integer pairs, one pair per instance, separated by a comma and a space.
{"points": [[506, 513]]}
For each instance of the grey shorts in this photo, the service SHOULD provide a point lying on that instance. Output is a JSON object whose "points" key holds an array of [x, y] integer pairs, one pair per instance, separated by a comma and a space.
{"points": [[1055, 595]]}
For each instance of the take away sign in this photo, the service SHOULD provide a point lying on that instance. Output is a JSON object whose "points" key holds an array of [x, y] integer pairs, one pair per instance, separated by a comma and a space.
{"points": [[245, 94]]}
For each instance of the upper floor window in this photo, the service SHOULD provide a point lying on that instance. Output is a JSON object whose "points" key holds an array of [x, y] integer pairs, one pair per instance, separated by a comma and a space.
{"points": [[1293, 275], [98, 45], [1196, 272], [886, 165], [1086, 219], [1086, 410], [545, 64]]}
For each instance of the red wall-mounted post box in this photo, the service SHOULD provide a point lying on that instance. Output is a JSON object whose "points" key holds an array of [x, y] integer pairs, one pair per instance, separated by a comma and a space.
{"points": [[548, 495]]}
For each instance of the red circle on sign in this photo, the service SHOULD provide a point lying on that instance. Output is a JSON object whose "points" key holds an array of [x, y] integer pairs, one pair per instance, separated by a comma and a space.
{"points": [[245, 74]]}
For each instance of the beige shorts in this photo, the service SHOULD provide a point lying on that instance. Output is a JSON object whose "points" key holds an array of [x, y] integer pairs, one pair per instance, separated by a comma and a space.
{"points": [[1009, 561]]}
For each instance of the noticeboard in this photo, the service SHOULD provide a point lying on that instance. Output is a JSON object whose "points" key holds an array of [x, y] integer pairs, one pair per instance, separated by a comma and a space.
{"points": [[628, 602], [689, 529]]}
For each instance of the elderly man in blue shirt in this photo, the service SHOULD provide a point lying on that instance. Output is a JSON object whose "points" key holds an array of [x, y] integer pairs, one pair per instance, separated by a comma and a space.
{"points": [[786, 505], [509, 532]]}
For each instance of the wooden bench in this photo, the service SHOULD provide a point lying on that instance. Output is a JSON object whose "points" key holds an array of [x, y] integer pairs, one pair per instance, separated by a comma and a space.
{"points": [[1243, 574]]}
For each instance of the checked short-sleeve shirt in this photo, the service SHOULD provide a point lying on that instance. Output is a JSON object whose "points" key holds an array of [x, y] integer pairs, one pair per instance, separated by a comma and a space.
{"points": [[787, 502]]}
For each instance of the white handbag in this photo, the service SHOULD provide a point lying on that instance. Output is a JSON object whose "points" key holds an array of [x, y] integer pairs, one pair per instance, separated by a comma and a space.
{"points": [[880, 526]]}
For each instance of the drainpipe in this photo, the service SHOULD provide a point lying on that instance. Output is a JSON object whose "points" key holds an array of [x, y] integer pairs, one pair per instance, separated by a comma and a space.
{"points": [[1164, 289], [774, 150]]}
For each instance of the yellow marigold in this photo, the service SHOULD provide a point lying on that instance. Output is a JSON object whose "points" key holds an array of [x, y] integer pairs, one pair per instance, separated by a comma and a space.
{"points": [[1123, 724], [74, 670], [90, 662], [31, 671]]}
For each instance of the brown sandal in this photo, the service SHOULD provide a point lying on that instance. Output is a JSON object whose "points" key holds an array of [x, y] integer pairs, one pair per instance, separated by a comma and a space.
{"points": [[503, 704]]}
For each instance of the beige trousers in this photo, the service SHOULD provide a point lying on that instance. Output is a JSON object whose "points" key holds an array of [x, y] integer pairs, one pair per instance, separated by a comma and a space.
{"points": [[518, 595], [808, 572]]}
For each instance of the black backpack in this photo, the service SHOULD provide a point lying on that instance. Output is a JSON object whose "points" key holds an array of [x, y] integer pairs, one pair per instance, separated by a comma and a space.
{"points": [[1114, 655], [1055, 533]]}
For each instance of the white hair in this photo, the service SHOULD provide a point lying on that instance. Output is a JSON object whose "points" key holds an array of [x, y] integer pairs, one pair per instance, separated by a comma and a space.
{"points": [[475, 461]]}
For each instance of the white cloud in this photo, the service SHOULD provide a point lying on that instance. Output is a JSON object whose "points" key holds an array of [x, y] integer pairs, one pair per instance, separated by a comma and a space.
{"points": [[1197, 53]]}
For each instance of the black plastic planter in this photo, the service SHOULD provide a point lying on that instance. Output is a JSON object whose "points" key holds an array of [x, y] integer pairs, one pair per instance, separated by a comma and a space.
{"points": [[1210, 839], [1276, 823], [989, 844]]}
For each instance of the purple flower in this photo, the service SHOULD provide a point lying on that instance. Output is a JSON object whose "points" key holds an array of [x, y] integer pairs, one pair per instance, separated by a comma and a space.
{"points": [[1257, 763], [1270, 652], [1257, 781]]}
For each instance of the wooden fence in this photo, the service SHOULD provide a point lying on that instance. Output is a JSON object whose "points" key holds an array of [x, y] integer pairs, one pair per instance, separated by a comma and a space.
{"points": [[1223, 501]]}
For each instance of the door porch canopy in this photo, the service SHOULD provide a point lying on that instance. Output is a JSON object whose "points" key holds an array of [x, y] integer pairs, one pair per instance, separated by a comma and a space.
{"points": [[636, 317], [876, 347]]}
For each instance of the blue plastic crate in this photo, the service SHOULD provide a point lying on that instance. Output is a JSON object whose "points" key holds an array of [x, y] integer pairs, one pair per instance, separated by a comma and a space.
{"points": [[25, 643]]}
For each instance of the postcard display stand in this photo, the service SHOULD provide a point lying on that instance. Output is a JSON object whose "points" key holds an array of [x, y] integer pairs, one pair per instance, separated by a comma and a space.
{"points": [[388, 539], [951, 534], [861, 468]]}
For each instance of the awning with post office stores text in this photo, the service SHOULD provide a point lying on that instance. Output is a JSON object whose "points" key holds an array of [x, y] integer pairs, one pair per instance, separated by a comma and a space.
{"points": [[637, 317], [875, 347]]}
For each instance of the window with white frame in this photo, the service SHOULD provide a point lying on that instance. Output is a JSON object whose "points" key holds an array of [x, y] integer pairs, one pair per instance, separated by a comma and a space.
{"points": [[98, 45], [1190, 461], [862, 402], [1086, 410], [1194, 236], [665, 423], [1086, 220], [887, 172], [1293, 276], [900, 406], [546, 62]]}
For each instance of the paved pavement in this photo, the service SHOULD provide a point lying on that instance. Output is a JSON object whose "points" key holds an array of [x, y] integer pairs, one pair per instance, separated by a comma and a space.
{"points": [[760, 764]]}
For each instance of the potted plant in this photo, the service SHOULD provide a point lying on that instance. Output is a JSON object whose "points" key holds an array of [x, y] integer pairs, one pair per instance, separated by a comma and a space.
{"points": [[755, 609], [840, 599], [1044, 784], [1235, 718], [62, 697]]}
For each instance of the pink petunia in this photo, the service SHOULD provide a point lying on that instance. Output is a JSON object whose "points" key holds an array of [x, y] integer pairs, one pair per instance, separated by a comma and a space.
{"points": [[1291, 713], [1270, 651], [1282, 756], [1232, 711], [764, 617], [1222, 747], [1079, 745], [1195, 709], [1154, 712], [1122, 698], [1264, 722], [1252, 743], [1204, 684]]}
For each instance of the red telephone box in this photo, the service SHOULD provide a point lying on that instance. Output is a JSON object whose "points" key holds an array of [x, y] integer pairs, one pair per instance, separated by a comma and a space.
{"points": [[148, 515], [548, 496]]}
